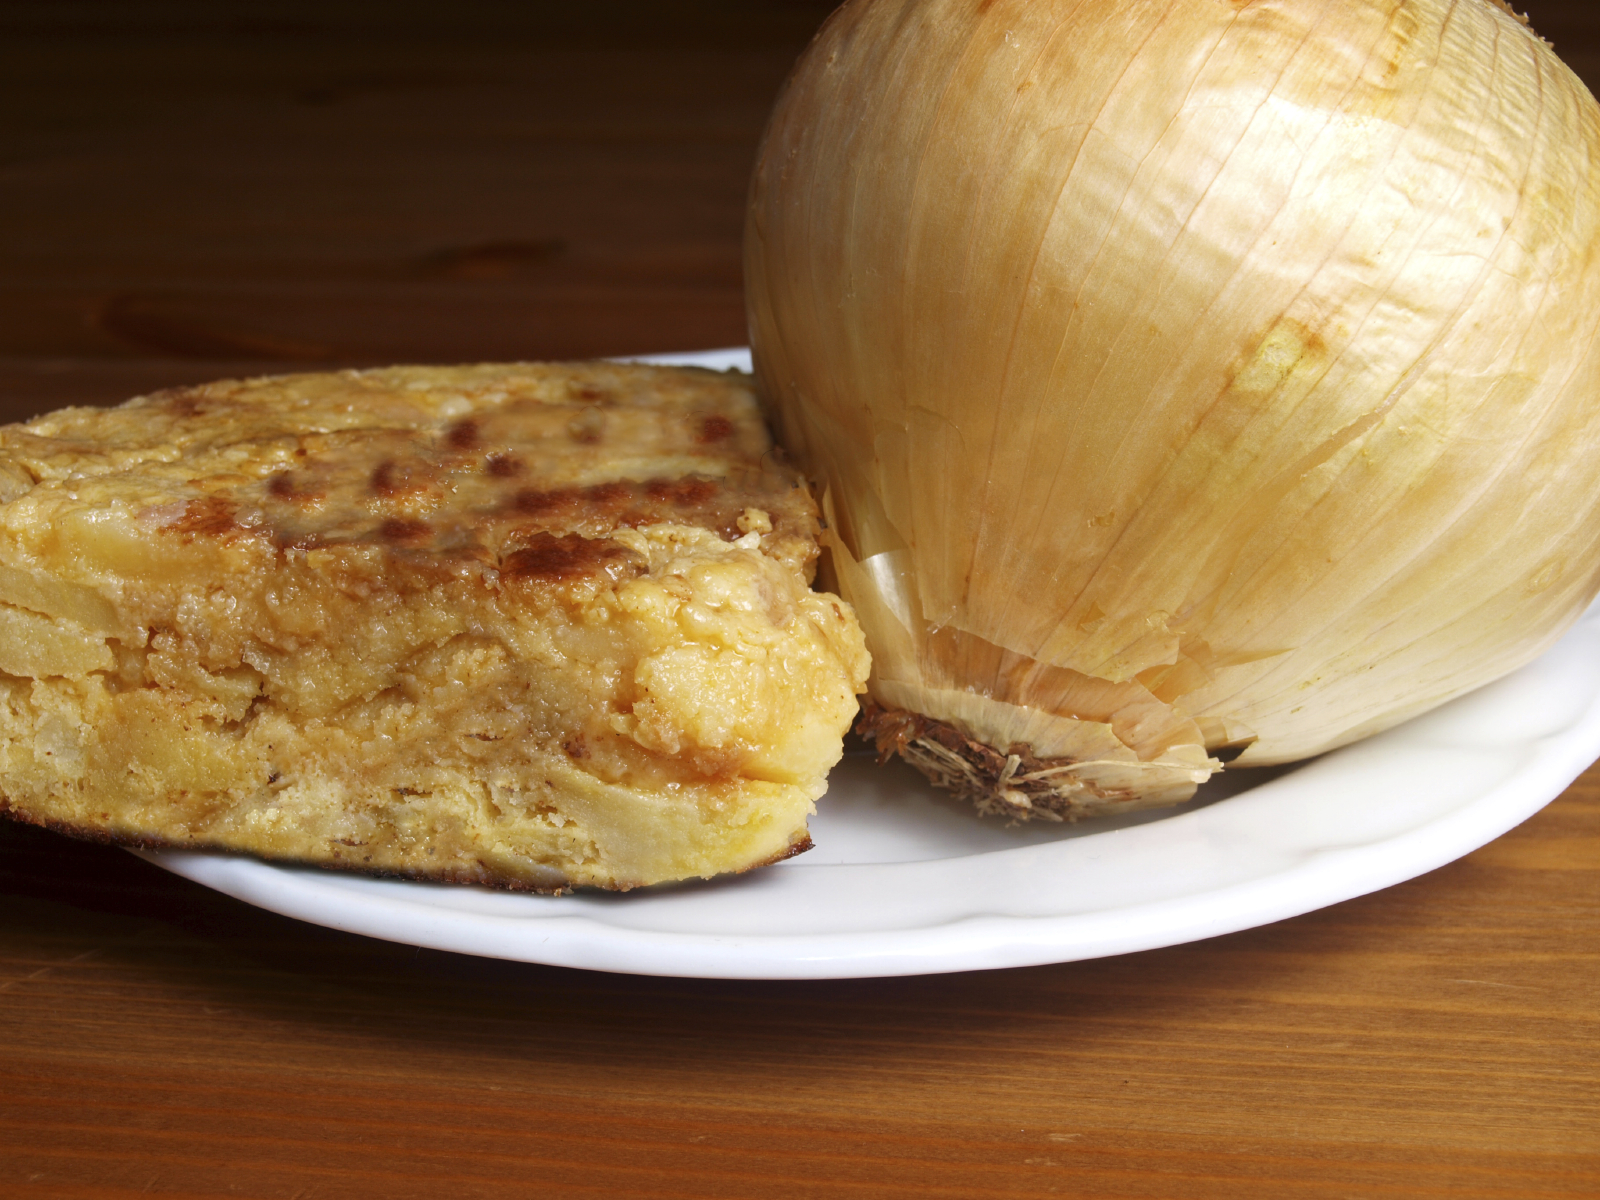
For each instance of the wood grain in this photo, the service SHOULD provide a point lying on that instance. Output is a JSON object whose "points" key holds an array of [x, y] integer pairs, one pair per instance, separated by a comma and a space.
{"points": [[1436, 1038], [190, 190]]}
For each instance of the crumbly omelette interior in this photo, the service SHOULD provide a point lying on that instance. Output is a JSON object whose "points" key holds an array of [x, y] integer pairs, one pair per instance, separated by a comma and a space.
{"points": [[537, 626]]}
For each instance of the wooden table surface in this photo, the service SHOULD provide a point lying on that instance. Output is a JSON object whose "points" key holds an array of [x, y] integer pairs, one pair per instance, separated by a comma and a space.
{"points": [[198, 188]]}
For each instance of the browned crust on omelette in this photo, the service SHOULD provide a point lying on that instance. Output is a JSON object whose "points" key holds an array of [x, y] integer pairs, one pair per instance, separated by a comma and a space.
{"points": [[529, 625]]}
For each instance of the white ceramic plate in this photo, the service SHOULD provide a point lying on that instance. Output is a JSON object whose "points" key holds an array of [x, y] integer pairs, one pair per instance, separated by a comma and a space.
{"points": [[904, 881]]}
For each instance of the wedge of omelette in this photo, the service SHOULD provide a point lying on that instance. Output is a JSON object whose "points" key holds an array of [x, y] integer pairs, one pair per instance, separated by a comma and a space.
{"points": [[535, 625]]}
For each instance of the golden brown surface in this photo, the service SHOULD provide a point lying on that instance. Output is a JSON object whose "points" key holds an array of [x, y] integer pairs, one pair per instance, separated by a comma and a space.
{"points": [[531, 625], [1437, 1039]]}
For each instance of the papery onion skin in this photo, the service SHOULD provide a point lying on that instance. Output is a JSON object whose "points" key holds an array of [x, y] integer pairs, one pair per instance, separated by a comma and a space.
{"points": [[1187, 374]]}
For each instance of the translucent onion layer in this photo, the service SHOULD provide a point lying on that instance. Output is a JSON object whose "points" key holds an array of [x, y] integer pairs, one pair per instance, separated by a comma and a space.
{"points": [[1184, 374]]}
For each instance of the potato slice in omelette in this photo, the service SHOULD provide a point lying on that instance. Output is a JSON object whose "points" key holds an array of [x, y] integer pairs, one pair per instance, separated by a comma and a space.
{"points": [[533, 625]]}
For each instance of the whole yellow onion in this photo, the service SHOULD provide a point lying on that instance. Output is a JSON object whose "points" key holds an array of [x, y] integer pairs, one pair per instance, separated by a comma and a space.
{"points": [[1183, 375]]}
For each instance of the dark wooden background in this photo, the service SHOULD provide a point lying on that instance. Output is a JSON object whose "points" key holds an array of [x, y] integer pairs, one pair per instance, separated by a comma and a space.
{"points": [[198, 188]]}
